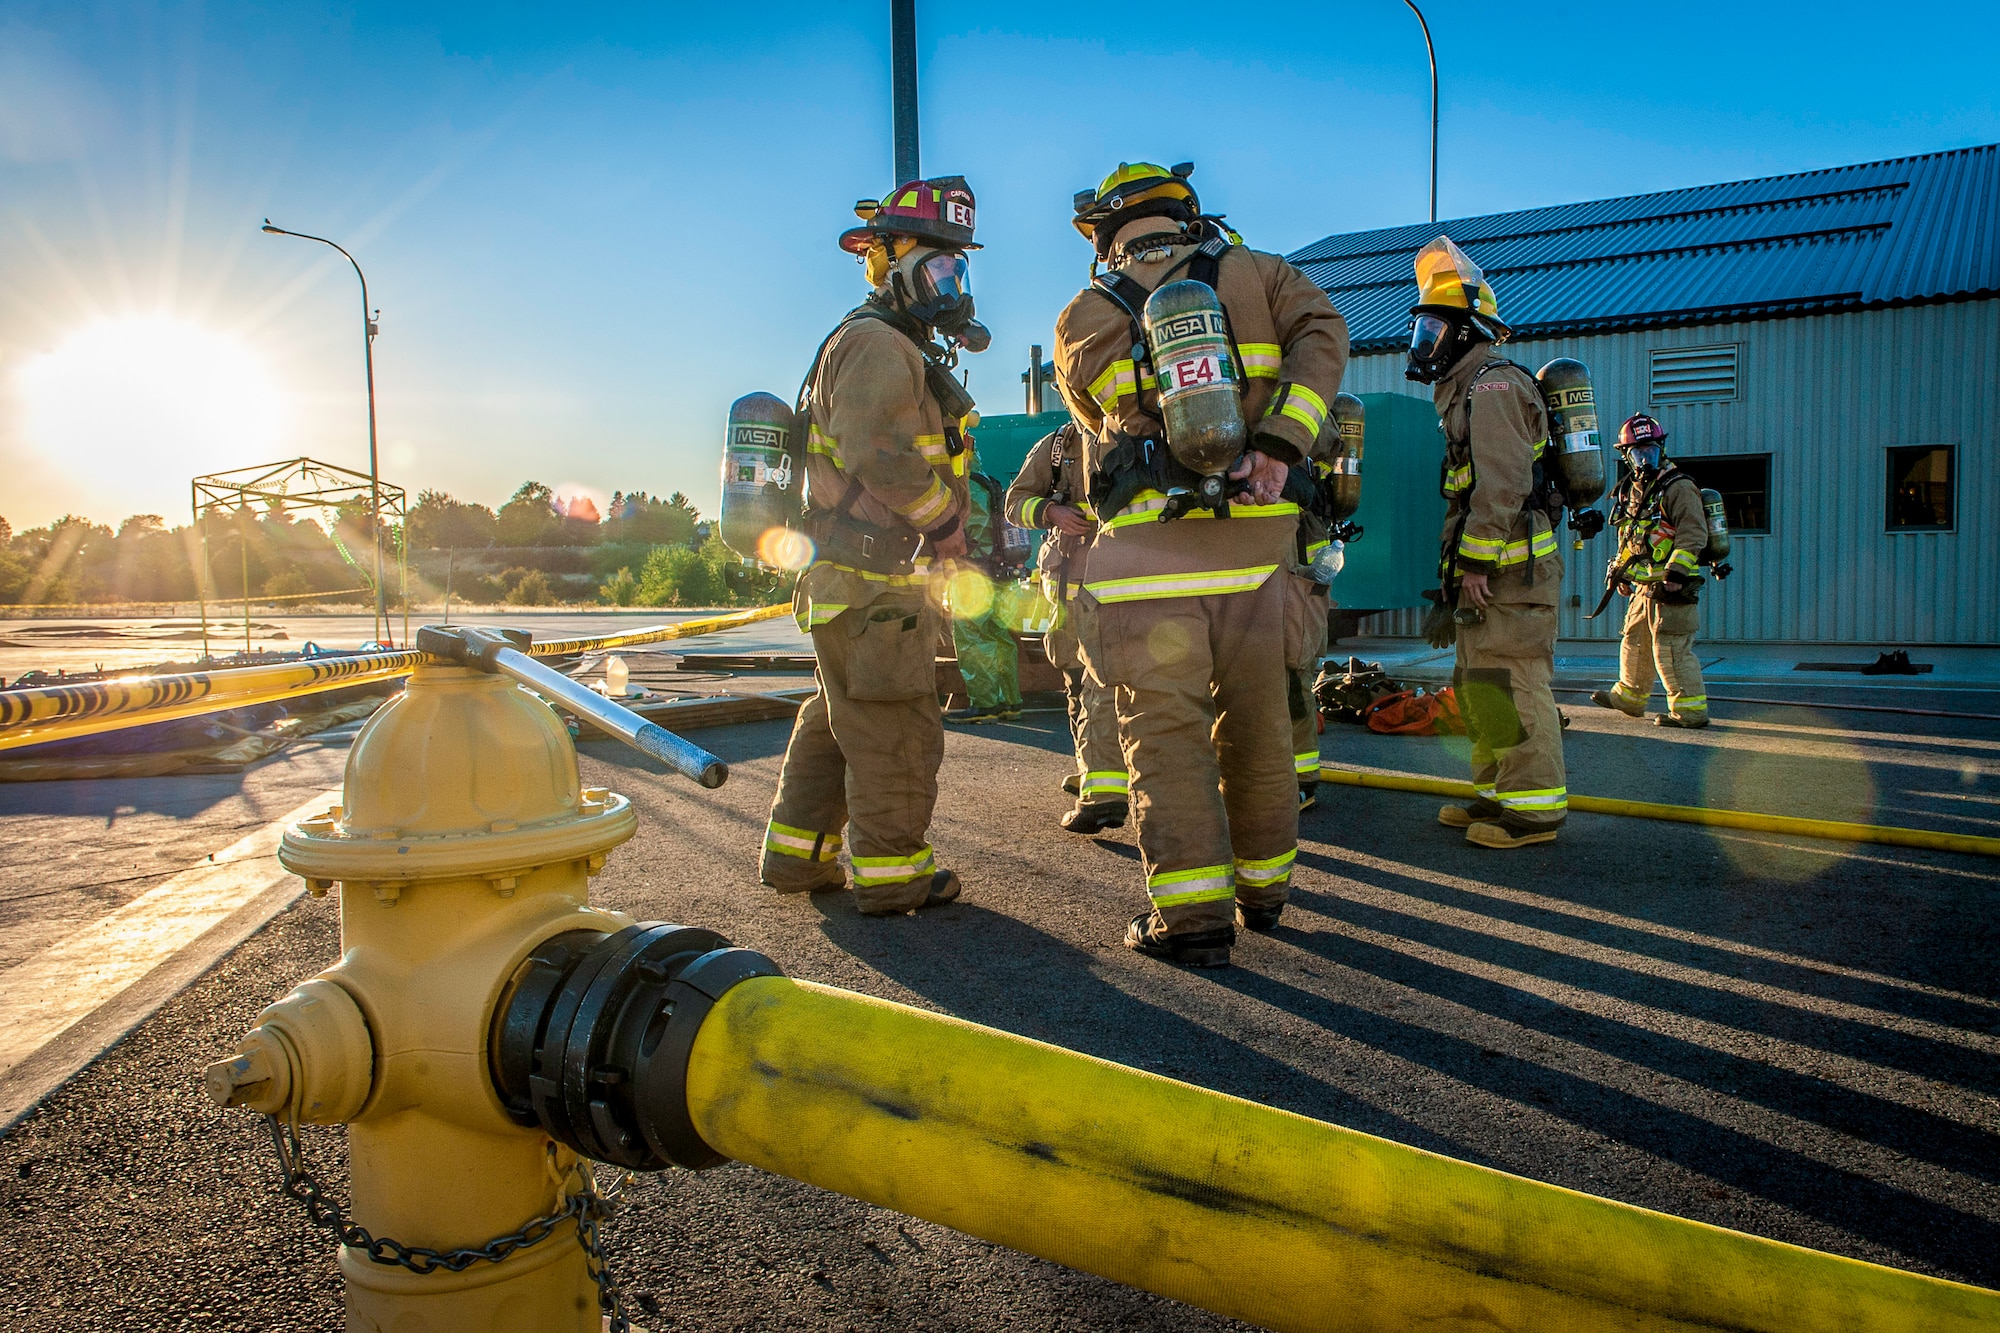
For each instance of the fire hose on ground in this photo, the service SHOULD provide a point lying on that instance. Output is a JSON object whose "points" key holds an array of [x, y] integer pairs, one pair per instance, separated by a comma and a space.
{"points": [[1831, 830]]}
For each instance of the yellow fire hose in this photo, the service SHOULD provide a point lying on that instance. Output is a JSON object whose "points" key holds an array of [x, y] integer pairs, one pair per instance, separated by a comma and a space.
{"points": [[1832, 830], [1256, 1213], [59, 712]]}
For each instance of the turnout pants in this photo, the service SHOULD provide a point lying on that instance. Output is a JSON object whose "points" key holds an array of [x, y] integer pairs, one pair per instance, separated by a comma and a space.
{"points": [[988, 659], [1201, 702], [1504, 669], [1093, 719], [1660, 638], [863, 760], [1310, 604]]}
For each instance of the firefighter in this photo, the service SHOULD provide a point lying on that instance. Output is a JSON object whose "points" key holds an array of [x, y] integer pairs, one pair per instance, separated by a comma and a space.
{"points": [[1662, 528], [988, 657], [1051, 492], [1307, 486], [1184, 609], [1500, 563], [886, 505]]}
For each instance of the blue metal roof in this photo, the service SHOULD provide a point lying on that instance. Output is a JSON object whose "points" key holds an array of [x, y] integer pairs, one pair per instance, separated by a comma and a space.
{"points": [[1902, 232]]}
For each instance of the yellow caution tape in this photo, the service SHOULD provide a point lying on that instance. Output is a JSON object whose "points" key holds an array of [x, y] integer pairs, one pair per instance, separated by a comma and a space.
{"points": [[60, 712], [1256, 1213], [1832, 830]]}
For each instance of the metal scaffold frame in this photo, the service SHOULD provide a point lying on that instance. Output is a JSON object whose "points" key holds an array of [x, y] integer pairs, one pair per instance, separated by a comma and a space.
{"points": [[300, 483]]}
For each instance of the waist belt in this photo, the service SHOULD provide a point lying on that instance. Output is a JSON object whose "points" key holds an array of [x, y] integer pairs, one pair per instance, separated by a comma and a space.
{"points": [[850, 541]]}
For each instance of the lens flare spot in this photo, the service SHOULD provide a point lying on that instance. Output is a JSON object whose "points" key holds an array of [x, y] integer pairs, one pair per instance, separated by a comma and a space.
{"points": [[1167, 642], [971, 593], [1822, 778], [784, 548]]}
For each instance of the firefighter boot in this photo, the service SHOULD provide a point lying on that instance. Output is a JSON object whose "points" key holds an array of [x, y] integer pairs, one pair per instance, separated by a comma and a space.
{"points": [[1096, 817], [1199, 948], [1465, 816], [1505, 836]]}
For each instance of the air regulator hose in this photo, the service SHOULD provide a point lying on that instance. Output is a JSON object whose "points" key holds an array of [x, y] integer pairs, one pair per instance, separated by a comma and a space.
{"points": [[591, 1039]]}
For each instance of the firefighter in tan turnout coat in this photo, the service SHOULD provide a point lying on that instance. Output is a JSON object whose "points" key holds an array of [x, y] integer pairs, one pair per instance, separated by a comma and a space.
{"points": [[1500, 562], [886, 499], [1662, 529], [1052, 492], [1188, 618]]}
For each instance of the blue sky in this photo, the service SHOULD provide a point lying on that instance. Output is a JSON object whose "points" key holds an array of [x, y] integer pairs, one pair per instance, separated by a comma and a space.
{"points": [[589, 228]]}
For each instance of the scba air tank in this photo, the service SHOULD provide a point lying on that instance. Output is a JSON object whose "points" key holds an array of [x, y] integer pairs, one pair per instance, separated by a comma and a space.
{"points": [[1573, 441], [1350, 420], [1188, 336], [760, 485], [1717, 550]]}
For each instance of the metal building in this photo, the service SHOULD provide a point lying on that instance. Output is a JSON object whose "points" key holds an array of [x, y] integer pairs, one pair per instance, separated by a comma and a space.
{"points": [[1823, 348]]}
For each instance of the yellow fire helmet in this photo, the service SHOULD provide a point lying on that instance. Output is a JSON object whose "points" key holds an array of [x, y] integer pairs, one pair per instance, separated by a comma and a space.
{"points": [[1136, 190], [1448, 280]]}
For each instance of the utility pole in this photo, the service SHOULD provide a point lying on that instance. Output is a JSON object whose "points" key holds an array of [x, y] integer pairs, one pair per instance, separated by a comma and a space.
{"points": [[903, 86], [1432, 52]]}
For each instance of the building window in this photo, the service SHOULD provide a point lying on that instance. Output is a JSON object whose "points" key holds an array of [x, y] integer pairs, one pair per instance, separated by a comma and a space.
{"points": [[1920, 488], [1743, 481], [1693, 374]]}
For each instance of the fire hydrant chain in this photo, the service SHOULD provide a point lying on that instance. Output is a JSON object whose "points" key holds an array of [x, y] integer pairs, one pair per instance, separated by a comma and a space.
{"points": [[589, 1206]]}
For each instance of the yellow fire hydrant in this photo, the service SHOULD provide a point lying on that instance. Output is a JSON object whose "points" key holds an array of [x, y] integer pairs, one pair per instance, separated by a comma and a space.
{"points": [[464, 844]]}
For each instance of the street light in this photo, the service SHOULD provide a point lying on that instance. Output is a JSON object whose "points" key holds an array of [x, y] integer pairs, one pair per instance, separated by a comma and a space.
{"points": [[369, 328], [1432, 50]]}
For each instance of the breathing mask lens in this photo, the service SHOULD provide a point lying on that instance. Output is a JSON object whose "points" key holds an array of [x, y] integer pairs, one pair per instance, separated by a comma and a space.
{"points": [[1427, 337], [943, 280], [1645, 457]]}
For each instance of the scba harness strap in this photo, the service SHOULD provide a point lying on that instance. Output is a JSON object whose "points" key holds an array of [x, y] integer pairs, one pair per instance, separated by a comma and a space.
{"points": [[1544, 495]]}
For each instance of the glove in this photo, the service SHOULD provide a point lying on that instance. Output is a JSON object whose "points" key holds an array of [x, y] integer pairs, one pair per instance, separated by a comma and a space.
{"points": [[1440, 629]]}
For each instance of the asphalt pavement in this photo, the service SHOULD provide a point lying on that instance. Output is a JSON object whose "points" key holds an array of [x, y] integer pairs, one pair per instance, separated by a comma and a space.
{"points": [[1795, 1039]]}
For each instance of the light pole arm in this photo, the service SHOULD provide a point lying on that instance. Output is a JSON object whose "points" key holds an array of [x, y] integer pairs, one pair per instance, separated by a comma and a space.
{"points": [[1430, 50], [374, 468]]}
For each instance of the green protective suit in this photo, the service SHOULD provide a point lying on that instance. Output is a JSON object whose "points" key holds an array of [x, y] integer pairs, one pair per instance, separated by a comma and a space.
{"points": [[987, 655]]}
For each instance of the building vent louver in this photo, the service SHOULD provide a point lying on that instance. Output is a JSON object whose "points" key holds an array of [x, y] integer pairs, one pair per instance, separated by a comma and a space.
{"points": [[1694, 374]]}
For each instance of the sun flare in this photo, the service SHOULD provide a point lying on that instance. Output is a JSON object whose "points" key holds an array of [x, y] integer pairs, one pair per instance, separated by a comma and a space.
{"points": [[148, 392]]}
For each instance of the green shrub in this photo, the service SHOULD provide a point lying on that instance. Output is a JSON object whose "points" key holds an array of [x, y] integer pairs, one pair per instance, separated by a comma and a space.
{"points": [[621, 589], [530, 589]]}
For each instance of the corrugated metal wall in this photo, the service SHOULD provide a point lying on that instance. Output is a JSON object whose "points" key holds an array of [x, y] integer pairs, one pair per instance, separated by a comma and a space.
{"points": [[1825, 396]]}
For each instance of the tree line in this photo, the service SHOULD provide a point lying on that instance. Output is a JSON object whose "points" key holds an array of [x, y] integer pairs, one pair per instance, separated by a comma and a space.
{"points": [[641, 551]]}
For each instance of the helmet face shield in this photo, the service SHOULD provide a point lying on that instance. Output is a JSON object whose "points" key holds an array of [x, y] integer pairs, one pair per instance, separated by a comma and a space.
{"points": [[1644, 457]]}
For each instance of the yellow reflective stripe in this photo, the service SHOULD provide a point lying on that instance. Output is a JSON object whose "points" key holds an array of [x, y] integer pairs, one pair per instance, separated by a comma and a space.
{"points": [[1307, 763], [1268, 871], [1031, 510], [1547, 798], [1633, 696], [933, 448], [1458, 478], [1261, 360], [818, 613], [800, 842], [877, 870], [1484, 793], [1504, 554], [1314, 548], [928, 508], [1108, 780], [1117, 380], [819, 443], [1303, 406], [1682, 560], [1151, 587], [1696, 702], [918, 579], [1178, 888], [1149, 503]]}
